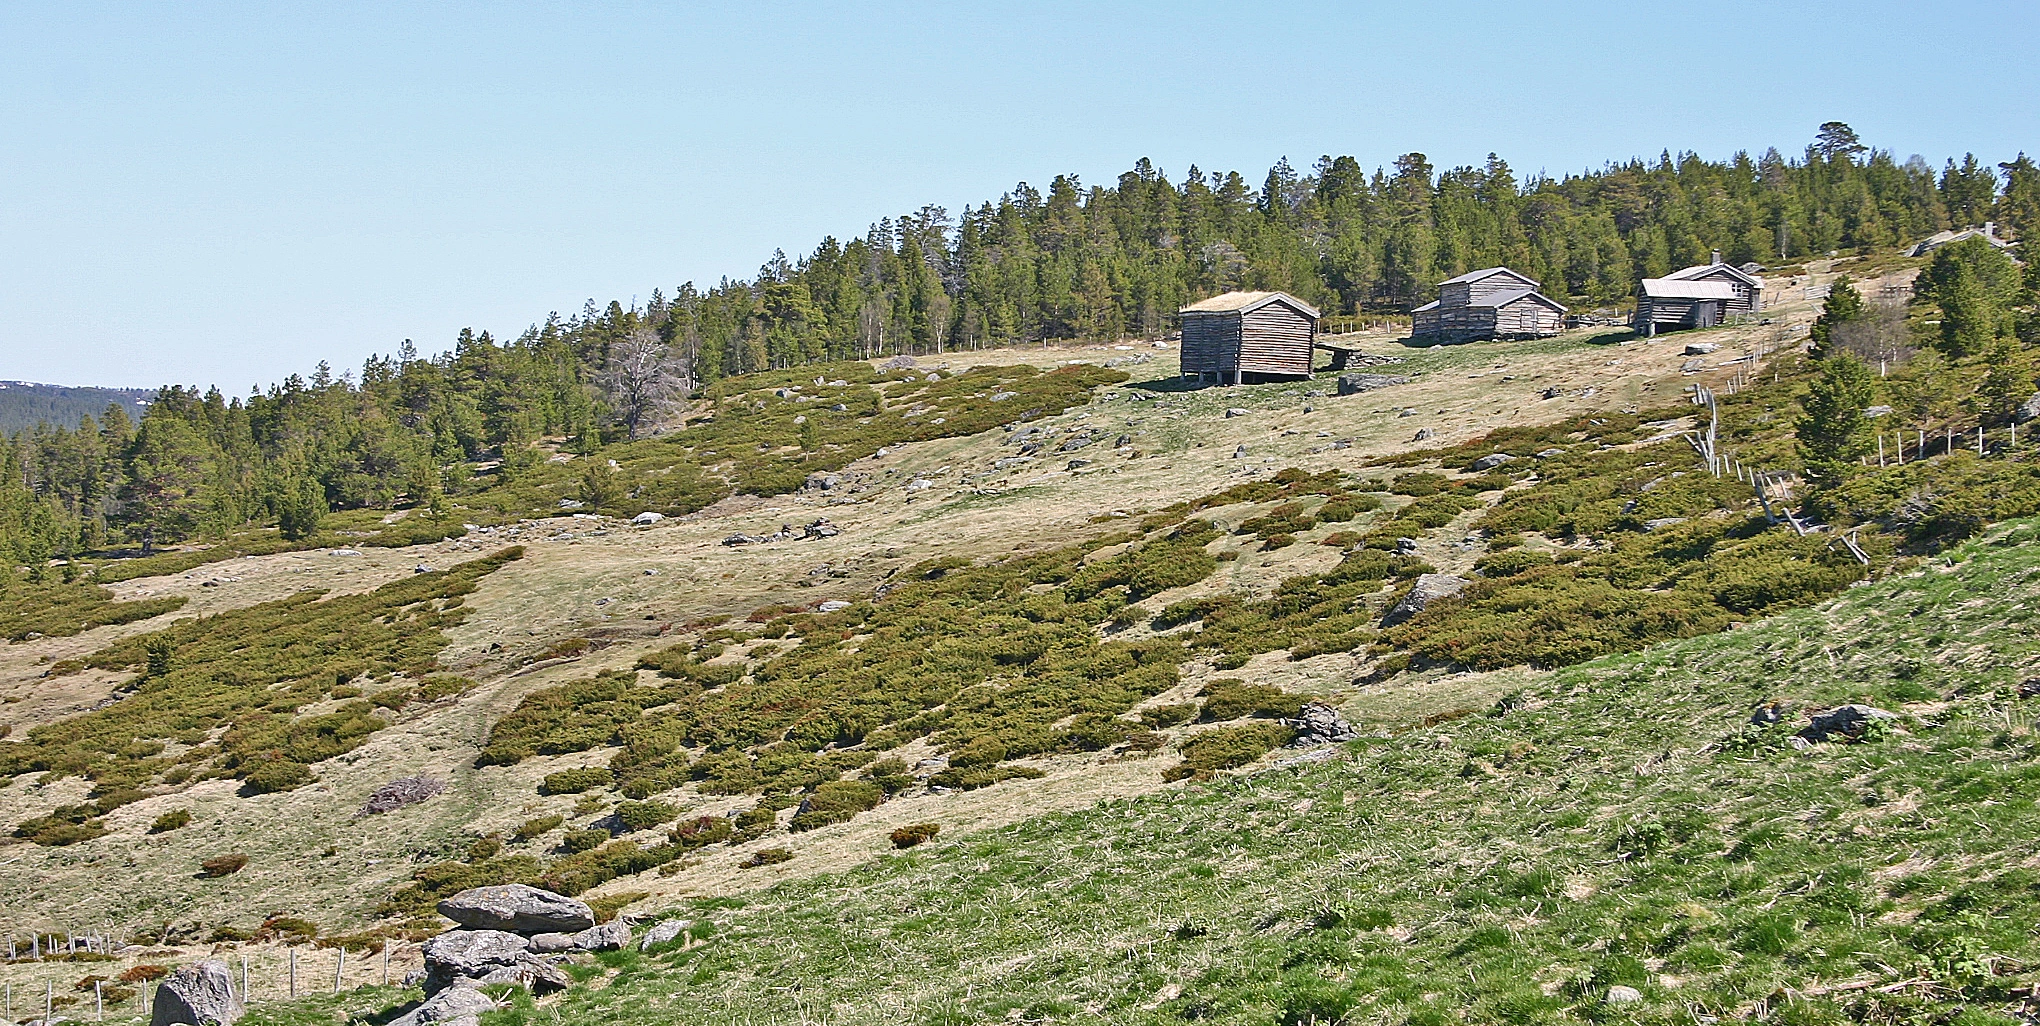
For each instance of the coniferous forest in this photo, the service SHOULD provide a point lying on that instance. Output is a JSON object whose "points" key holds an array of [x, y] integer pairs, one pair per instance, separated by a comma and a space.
{"points": [[1076, 261]]}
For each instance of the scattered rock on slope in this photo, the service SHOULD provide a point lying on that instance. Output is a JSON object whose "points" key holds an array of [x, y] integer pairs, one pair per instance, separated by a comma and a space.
{"points": [[401, 792], [1354, 384], [665, 932], [517, 908], [201, 995], [1320, 724], [1845, 723], [1428, 589]]}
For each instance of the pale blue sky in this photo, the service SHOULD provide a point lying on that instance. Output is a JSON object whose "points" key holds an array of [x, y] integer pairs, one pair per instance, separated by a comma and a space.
{"points": [[222, 193]]}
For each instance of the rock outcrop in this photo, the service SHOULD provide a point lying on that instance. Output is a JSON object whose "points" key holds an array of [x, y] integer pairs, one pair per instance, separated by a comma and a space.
{"points": [[1428, 589], [458, 955], [517, 908], [199, 995]]}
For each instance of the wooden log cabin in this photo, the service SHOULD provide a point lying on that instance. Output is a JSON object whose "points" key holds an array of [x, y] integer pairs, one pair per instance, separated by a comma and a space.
{"points": [[1244, 337], [1700, 296], [1491, 303]]}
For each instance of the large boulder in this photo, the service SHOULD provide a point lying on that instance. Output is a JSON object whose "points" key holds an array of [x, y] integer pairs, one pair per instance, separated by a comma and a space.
{"points": [[1428, 589], [469, 955], [201, 995], [517, 908], [1354, 384], [1490, 462]]}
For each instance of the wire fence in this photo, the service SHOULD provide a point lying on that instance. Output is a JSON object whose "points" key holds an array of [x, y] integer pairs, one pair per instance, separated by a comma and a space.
{"points": [[96, 978]]}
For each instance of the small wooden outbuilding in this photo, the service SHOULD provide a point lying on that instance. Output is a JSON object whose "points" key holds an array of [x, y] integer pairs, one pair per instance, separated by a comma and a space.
{"points": [[1700, 296], [1491, 303], [1248, 336], [1675, 303]]}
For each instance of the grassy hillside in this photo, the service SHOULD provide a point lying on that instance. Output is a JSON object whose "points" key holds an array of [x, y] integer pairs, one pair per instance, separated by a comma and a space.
{"points": [[1614, 823]]}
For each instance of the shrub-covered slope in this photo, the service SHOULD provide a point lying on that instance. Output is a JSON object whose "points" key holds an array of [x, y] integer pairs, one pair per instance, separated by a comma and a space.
{"points": [[1616, 823]]}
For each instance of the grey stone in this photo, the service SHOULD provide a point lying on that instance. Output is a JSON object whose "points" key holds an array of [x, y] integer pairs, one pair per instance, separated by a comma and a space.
{"points": [[2028, 410], [1354, 384], [552, 943], [1700, 348], [1320, 724], [1424, 435], [821, 481], [1405, 546], [400, 792], [201, 995], [530, 972], [1549, 453], [1767, 714], [1692, 366], [1491, 461], [1876, 411], [1848, 722], [518, 908], [648, 517], [1619, 994], [833, 605], [665, 933], [469, 954], [610, 936], [1654, 524], [1552, 392], [454, 1006], [1428, 589], [1241, 452], [1235, 411], [1408, 411]]}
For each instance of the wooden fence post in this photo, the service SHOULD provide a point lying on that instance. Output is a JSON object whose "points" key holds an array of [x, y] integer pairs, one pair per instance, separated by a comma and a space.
{"points": [[293, 972], [339, 967]]}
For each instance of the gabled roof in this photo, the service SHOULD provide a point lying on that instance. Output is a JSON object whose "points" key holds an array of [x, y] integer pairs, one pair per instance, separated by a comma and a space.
{"points": [[1473, 276], [1939, 239], [1698, 270], [1675, 288], [1244, 302], [1432, 305], [1502, 299]]}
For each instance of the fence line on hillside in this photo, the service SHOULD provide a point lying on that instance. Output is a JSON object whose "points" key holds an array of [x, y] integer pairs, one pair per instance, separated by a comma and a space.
{"points": [[53, 992]]}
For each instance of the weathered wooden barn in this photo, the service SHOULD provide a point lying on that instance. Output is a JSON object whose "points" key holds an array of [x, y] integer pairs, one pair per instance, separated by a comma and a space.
{"points": [[1749, 289], [1491, 303], [1668, 303], [1248, 336]]}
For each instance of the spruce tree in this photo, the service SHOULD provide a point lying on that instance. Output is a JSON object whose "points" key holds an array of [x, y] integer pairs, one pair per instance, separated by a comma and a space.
{"points": [[1844, 304], [1832, 429]]}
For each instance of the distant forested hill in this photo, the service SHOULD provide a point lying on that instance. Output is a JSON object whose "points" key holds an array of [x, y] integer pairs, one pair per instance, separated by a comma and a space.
{"points": [[1074, 261], [25, 404]]}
